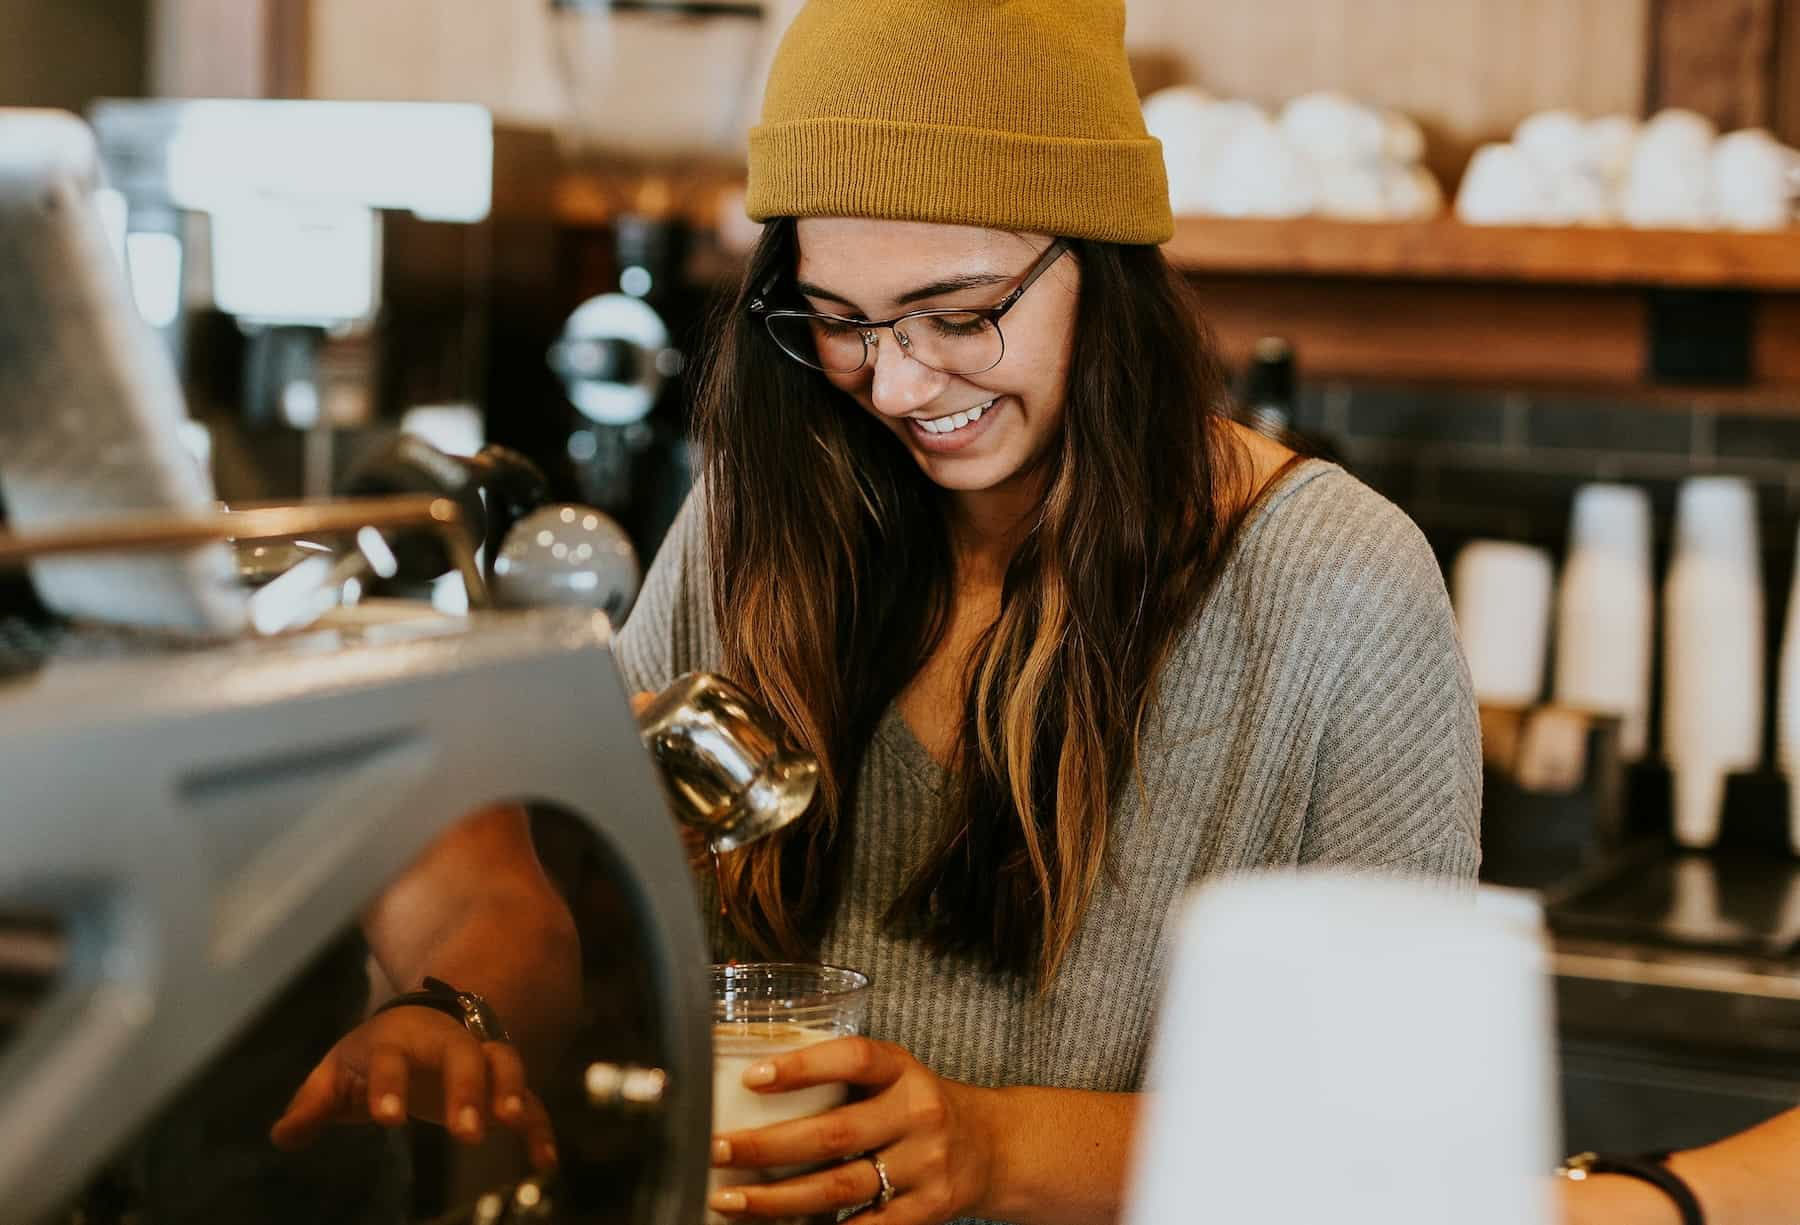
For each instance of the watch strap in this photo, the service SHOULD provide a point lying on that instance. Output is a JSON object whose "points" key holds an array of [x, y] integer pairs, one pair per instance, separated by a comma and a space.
{"points": [[1648, 1168], [474, 1012]]}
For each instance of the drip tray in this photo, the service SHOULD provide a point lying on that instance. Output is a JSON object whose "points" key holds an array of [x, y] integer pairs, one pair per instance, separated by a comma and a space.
{"points": [[1732, 901]]}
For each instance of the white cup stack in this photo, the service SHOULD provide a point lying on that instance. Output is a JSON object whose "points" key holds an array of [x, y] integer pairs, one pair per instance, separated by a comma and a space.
{"points": [[1501, 593], [1606, 612], [1787, 716], [1312, 1060], [1712, 651]]}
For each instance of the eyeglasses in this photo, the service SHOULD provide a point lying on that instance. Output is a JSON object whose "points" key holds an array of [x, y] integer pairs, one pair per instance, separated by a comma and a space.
{"points": [[950, 341]]}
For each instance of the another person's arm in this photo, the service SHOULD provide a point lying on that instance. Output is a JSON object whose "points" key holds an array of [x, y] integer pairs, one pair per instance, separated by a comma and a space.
{"points": [[1753, 1178], [477, 912]]}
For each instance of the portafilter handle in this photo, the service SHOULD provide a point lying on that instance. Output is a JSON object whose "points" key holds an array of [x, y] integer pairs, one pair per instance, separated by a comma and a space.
{"points": [[726, 764]]}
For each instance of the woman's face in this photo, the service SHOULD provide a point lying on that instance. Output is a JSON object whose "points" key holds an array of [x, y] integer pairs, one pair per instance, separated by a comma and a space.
{"points": [[880, 269]]}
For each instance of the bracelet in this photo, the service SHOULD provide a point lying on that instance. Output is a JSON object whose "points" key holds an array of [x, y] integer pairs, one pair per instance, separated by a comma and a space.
{"points": [[1648, 1168], [476, 1015]]}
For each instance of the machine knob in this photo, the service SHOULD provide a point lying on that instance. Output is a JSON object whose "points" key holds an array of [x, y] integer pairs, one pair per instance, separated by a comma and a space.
{"points": [[567, 555]]}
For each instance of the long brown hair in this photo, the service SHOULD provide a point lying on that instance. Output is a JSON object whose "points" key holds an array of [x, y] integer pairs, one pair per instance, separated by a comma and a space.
{"points": [[831, 584]]}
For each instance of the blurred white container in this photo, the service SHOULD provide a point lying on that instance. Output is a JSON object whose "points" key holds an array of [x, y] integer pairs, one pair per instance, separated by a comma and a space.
{"points": [[1787, 709], [1670, 182], [1353, 1050], [1555, 141], [1260, 175], [1353, 191], [1611, 143], [1752, 181], [1403, 140], [1712, 651], [1190, 125], [1501, 593], [1606, 611], [1502, 187], [1413, 193], [1332, 127], [1580, 198]]}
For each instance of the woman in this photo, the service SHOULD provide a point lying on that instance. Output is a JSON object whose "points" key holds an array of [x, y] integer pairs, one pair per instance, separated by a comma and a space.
{"points": [[973, 524]]}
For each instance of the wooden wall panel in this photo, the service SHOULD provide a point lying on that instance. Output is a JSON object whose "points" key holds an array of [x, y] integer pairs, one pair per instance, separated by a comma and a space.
{"points": [[495, 52], [1787, 72], [66, 53], [1716, 57], [1469, 70]]}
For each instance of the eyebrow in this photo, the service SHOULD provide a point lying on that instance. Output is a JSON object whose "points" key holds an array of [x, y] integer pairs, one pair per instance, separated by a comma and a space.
{"points": [[971, 280]]}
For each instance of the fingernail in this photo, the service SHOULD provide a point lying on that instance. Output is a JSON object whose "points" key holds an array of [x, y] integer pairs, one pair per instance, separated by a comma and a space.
{"points": [[759, 1074], [512, 1107], [389, 1106], [468, 1121], [726, 1201], [721, 1152]]}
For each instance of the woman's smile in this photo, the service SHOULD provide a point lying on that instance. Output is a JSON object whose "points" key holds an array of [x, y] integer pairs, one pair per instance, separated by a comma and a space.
{"points": [[949, 433]]}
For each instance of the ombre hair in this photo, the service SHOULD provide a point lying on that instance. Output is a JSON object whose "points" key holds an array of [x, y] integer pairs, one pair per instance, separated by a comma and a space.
{"points": [[831, 572]]}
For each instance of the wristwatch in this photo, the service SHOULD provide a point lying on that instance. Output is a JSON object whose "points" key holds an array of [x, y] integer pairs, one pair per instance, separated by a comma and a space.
{"points": [[475, 1013], [1648, 1168]]}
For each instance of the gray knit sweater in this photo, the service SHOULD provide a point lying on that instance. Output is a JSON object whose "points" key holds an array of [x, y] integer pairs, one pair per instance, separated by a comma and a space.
{"points": [[1318, 711]]}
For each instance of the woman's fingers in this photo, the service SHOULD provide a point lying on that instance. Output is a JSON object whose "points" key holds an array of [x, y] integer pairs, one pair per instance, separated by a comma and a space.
{"points": [[506, 1081], [388, 1073], [919, 1194], [465, 1073], [318, 1103], [844, 1185], [516, 1106], [831, 1136], [856, 1061]]}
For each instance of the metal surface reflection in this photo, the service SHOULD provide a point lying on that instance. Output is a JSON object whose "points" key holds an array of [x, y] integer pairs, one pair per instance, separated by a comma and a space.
{"points": [[725, 762]]}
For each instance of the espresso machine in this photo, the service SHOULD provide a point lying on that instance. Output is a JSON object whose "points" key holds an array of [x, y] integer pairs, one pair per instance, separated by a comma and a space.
{"points": [[213, 770]]}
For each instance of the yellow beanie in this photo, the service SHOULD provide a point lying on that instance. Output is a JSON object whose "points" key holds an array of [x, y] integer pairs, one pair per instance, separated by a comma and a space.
{"points": [[1011, 114]]}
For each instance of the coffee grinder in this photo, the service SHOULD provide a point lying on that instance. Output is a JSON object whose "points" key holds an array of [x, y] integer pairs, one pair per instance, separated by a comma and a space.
{"points": [[658, 95]]}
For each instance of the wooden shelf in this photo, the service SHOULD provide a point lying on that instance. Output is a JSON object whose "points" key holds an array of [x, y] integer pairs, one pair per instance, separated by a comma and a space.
{"points": [[1443, 302], [1450, 251]]}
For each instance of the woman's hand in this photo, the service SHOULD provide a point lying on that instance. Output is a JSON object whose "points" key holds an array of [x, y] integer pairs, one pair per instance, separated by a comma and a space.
{"points": [[419, 1062], [934, 1136]]}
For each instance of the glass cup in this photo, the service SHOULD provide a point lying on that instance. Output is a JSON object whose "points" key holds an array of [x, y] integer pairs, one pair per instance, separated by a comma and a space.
{"points": [[765, 1009]]}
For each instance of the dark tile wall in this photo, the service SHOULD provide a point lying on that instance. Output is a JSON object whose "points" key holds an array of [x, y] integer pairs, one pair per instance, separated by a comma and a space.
{"points": [[1506, 465], [1469, 464]]}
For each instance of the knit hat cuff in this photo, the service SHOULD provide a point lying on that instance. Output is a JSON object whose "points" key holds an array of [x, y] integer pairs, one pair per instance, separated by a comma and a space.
{"points": [[1103, 190]]}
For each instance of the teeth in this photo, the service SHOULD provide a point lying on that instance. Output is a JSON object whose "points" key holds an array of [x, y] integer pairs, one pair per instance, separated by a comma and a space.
{"points": [[955, 421]]}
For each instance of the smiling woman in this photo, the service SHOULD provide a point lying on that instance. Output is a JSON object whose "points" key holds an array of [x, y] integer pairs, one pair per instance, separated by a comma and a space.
{"points": [[974, 523]]}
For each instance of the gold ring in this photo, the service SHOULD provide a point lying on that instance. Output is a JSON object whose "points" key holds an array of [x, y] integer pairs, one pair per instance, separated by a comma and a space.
{"points": [[887, 1188]]}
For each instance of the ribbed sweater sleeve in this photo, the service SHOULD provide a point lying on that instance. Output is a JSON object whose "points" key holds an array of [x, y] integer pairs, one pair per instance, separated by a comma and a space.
{"points": [[1397, 780], [670, 629]]}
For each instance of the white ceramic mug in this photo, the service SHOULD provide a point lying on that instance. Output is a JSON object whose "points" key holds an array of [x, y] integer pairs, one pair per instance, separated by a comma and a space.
{"points": [[1670, 182], [1752, 181]]}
